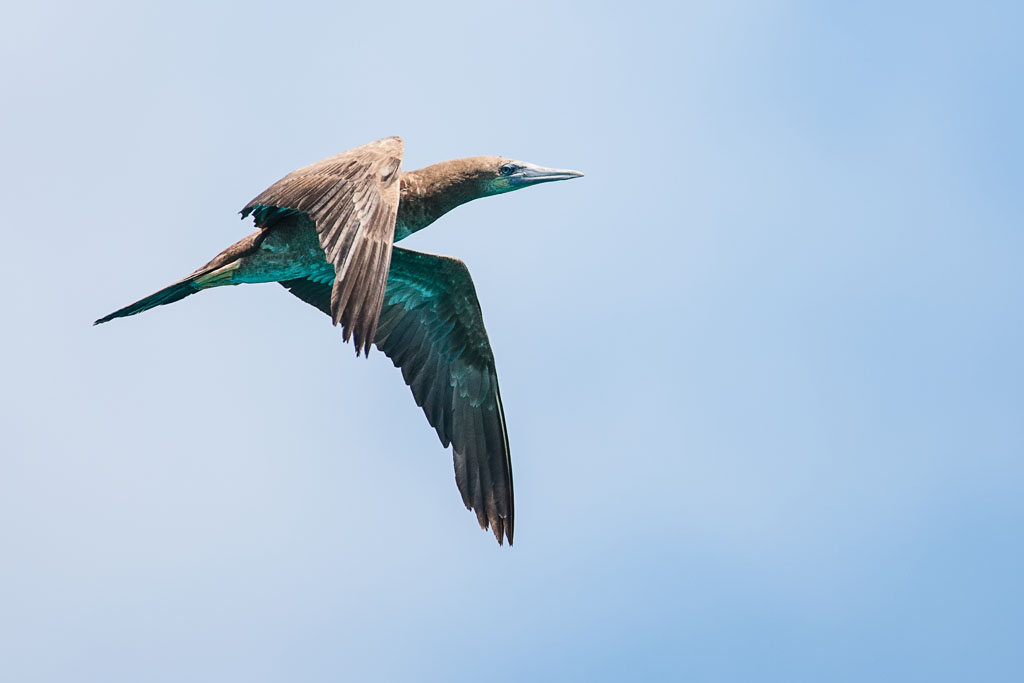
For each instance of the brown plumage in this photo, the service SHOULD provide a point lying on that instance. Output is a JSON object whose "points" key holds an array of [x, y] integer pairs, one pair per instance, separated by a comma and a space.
{"points": [[326, 233]]}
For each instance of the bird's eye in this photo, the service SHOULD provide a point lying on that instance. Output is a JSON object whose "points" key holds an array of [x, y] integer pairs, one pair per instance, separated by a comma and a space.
{"points": [[508, 169]]}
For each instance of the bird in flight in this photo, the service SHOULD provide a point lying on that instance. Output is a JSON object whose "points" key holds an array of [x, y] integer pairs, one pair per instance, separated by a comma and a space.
{"points": [[326, 232]]}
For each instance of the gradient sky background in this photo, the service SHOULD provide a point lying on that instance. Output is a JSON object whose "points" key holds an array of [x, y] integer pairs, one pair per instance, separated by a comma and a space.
{"points": [[762, 367]]}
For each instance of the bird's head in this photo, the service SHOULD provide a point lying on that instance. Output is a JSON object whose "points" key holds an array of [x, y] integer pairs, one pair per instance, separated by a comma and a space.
{"points": [[504, 175]]}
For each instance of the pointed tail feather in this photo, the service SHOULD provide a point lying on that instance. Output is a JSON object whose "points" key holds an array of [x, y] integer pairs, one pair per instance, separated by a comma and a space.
{"points": [[168, 295], [212, 274]]}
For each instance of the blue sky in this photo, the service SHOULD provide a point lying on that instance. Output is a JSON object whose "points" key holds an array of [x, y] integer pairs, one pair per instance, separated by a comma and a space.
{"points": [[761, 367]]}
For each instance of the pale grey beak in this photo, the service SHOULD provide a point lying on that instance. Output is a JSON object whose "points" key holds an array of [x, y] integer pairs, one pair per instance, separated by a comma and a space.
{"points": [[529, 174]]}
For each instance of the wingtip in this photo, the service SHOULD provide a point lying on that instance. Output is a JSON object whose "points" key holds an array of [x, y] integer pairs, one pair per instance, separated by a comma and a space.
{"points": [[361, 345], [502, 530]]}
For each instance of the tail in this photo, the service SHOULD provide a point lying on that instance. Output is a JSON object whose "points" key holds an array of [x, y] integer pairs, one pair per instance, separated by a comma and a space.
{"points": [[206, 277], [168, 295], [216, 273]]}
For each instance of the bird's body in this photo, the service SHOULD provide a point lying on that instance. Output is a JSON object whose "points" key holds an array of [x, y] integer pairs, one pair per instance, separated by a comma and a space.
{"points": [[326, 232]]}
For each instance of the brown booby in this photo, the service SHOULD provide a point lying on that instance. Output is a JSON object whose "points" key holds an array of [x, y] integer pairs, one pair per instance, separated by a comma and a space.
{"points": [[326, 232]]}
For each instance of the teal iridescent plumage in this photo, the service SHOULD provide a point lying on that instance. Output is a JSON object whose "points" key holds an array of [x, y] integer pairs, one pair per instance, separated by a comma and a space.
{"points": [[269, 215], [326, 233]]}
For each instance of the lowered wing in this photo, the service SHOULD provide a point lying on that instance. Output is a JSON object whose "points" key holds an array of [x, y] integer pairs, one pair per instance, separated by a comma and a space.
{"points": [[432, 328]]}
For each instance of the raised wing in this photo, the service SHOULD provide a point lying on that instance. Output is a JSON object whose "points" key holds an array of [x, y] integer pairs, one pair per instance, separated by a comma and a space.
{"points": [[431, 327], [353, 201]]}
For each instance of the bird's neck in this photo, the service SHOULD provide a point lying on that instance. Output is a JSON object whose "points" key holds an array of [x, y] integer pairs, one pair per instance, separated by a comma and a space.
{"points": [[431, 192]]}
